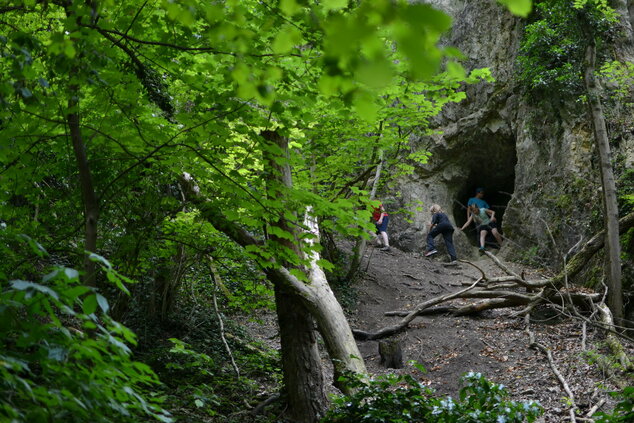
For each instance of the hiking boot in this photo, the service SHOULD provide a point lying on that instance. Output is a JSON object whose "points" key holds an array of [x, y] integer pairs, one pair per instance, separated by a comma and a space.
{"points": [[451, 263], [482, 250], [430, 253], [386, 248]]}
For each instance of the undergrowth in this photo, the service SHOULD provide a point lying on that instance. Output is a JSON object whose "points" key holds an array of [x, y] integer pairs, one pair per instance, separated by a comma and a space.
{"points": [[402, 399]]}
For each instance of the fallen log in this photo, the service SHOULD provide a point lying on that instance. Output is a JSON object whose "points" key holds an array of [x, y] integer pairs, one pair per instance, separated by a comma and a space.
{"points": [[495, 298]]}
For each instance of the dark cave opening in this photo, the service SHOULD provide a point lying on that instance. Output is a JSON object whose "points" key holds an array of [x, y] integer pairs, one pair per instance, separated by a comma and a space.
{"points": [[491, 166]]}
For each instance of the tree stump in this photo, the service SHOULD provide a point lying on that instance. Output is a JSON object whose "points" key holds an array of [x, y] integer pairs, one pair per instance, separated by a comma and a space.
{"points": [[391, 354]]}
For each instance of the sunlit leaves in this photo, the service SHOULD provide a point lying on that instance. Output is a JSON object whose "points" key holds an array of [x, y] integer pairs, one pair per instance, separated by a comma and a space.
{"points": [[329, 5], [288, 37], [289, 7], [518, 7], [60, 44]]}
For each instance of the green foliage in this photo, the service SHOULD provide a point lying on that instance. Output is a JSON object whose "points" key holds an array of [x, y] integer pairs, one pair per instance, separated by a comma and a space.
{"points": [[401, 399], [205, 384], [62, 358], [532, 256], [189, 86], [553, 47], [624, 410], [619, 78], [518, 7]]}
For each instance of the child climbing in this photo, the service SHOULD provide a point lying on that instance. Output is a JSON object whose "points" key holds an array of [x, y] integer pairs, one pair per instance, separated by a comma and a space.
{"points": [[381, 219], [440, 224], [485, 223]]}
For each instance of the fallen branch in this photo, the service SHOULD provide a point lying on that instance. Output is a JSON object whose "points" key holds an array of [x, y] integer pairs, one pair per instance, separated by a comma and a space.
{"points": [[486, 305], [595, 408], [391, 330], [502, 266], [497, 291], [216, 278], [615, 345]]}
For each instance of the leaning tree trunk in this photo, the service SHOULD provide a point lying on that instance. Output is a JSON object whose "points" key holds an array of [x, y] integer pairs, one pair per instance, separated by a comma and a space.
{"points": [[302, 370], [615, 294], [318, 301]]}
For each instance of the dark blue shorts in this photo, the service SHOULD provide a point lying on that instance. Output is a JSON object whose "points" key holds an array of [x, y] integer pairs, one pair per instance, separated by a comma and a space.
{"points": [[383, 226], [488, 227]]}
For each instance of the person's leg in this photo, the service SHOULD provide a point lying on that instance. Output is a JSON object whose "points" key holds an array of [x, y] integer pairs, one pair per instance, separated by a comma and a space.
{"points": [[386, 241], [430, 238], [448, 237], [378, 238], [381, 231], [483, 236], [497, 235]]}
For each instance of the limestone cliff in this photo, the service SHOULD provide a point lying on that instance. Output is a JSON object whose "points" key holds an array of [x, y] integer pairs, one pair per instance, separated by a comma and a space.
{"points": [[536, 160]]}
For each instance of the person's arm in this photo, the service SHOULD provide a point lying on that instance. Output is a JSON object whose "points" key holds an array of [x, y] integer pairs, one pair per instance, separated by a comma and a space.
{"points": [[431, 224], [382, 210], [467, 223], [492, 214]]}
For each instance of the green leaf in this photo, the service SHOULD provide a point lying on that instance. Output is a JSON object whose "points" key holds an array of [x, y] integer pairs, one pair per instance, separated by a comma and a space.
{"points": [[329, 5], [518, 7], [376, 74], [289, 7], [366, 107], [35, 246], [89, 305], [288, 37], [71, 274], [99, 259], [103, 303], [20, 285]]}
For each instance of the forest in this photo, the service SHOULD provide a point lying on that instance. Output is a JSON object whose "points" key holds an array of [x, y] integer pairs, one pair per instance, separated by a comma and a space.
{"points": [[191, 193]]}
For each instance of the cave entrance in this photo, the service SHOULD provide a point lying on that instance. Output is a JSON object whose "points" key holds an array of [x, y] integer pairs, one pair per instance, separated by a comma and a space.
{"points": [[490, 165]]}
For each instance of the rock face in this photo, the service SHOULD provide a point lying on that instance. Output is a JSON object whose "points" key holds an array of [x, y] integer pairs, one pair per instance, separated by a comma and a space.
{"points": [[537, 162]]}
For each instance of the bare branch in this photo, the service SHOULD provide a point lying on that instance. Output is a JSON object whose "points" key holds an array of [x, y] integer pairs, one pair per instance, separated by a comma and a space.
{"points": [[551, 361]]}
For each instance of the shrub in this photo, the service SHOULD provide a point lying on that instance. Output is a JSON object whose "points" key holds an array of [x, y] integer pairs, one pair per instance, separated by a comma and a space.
{"points": [[63, 359], [624, 410], [402, 399]]}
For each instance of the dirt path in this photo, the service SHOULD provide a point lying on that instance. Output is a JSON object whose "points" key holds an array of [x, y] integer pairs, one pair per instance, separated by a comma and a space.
{"points": [[493, 342]]}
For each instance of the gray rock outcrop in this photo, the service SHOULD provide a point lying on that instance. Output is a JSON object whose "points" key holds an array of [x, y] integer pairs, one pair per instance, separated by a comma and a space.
{"points": [[536, 161]]}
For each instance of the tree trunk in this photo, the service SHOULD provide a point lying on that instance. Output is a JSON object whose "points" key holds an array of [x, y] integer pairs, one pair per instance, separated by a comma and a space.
{"points": [[303, 376], [91, 204], [615, 294], [318, 301]]}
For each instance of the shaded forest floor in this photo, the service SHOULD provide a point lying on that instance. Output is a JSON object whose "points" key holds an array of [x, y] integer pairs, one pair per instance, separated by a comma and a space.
{"points": [[493, 342]]}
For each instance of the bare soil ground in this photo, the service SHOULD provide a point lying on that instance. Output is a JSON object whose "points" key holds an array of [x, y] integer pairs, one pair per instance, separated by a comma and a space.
{"points": [[493, 342]]}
